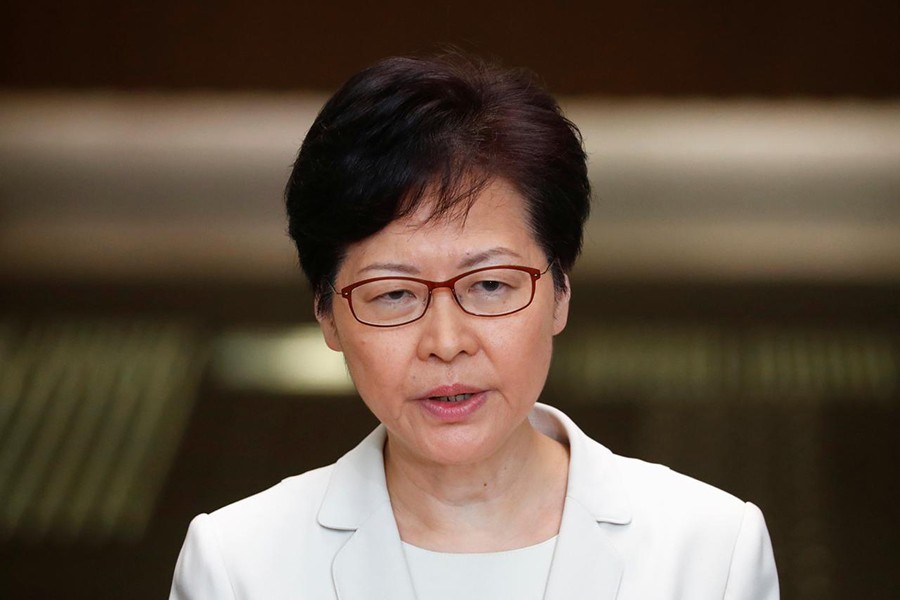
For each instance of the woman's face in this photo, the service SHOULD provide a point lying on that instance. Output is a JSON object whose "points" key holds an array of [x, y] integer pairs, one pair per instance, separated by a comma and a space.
{"points": [[451, 388]]}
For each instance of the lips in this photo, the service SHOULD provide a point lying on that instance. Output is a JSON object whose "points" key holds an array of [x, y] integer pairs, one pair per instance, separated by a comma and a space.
{"points": [[453, 403]]}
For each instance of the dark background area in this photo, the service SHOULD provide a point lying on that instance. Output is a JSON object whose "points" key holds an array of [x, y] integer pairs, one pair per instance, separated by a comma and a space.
{"points": [[766, 48]]}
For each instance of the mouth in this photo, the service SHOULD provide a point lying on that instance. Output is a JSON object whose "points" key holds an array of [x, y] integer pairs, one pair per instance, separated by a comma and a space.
{"points": [[453, 403], [456, 398]]}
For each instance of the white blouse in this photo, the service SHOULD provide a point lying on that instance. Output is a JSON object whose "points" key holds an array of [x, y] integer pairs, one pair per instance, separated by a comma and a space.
{"points": [[519, 574]]}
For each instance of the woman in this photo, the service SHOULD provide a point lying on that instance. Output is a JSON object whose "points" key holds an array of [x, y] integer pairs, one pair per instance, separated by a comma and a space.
{"points": [[437, 207]]}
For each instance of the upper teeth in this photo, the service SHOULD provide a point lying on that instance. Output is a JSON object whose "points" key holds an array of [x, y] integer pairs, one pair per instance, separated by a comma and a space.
{"points": [[455, 398]]}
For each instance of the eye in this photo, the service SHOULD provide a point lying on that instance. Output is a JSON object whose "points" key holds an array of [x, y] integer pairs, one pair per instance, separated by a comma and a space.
{"points": [[395, 295], [392, 296], [489, 285]]}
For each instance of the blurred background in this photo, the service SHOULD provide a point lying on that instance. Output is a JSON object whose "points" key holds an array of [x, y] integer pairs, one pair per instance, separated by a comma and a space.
{"points": [[735, 314]]}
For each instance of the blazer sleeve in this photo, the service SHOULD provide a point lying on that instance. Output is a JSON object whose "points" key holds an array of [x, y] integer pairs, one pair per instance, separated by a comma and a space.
{"points": [[752, 574], [200, 573]]}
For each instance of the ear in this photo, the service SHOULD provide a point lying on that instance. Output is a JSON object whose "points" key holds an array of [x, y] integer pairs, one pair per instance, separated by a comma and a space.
{"points": [[561, 310], [329, 330]]}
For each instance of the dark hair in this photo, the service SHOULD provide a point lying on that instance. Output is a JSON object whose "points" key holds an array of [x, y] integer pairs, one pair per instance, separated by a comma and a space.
{"points": [[409, 128]]}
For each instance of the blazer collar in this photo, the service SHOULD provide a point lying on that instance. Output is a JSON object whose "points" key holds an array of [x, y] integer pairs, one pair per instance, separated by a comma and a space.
{"points": [[371, 564], [586, 563], [594, 479], [357, 487]]}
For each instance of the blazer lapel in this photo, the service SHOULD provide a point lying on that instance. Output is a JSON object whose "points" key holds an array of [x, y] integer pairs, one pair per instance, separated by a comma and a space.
{"points": [[586, 564], [372, 564]]}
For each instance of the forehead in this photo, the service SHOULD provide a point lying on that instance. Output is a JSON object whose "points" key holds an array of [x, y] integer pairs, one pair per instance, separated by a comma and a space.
{"points": [[497, 218]]}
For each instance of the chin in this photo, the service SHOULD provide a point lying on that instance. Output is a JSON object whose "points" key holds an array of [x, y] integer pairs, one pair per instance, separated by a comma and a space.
{"points": [[458, 449]]}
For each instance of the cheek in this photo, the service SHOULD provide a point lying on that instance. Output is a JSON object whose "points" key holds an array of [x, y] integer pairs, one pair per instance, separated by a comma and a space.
{"points": [[375, 363], [523, 351]]}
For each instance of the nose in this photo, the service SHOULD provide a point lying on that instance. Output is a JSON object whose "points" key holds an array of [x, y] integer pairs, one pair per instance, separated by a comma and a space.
{"points": [[447, 331]]}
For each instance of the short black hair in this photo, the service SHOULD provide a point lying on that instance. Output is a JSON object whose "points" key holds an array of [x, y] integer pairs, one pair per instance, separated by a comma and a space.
{"points": [[440, 127]]}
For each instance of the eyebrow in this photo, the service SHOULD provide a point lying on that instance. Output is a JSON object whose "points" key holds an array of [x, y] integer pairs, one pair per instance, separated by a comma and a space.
{"points": [[487, 255], [468, 262], [397, 267]]}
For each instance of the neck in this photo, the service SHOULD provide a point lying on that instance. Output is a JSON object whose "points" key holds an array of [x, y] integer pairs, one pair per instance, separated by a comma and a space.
{"points": [[511, 499]]}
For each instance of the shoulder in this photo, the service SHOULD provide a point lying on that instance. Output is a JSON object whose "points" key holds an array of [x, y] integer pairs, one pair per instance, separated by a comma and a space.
{"points": [[696, 533], [659, 507], [682, 512], [257, 543], [293, 516], [654, 487], [652, 498], [625, 488], [629, 485], [696, 536], [293, 501]]}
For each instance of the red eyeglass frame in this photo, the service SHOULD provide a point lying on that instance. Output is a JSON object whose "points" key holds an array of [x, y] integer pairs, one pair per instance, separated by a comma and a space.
{"points": [[346, 291]]}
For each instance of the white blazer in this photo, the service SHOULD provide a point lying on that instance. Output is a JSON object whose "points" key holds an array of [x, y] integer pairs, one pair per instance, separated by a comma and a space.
{"points": [[630, 530]]}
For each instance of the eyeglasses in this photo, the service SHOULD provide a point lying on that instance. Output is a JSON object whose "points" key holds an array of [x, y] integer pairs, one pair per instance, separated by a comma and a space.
{"points": [[485, 292]]}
